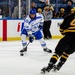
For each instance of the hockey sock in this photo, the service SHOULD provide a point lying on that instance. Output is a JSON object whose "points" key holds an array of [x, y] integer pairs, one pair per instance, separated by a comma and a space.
{"points": [[42, 42], [63, 59], [23, 38], [53, 59]]}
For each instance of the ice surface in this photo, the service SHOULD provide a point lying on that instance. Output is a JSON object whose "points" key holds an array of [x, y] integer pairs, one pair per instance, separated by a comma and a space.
{"points": [[11, 63]]}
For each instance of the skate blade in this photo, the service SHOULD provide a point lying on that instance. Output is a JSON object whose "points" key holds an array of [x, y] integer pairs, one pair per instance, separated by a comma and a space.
{"points": [[54, 70], [44, 72]]}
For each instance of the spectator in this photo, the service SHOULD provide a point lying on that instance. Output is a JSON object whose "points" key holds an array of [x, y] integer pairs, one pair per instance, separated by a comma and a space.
{"points": [[33, 5], [61, 14], [72, 10], [39, 10], [51, 8], [53, 12], [68, 8], [12, 16], [16, 11], [52, 1], [73, 1], [41, 5], [1, 13], [64, 1], [47, 2], [47, 14]]}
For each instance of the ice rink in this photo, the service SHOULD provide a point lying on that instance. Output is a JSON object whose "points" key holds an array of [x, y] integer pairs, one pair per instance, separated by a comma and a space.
{"points": [[11, 63]]}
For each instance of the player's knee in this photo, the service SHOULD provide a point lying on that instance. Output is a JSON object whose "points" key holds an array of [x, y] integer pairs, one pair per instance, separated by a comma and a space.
{"points": [[59, 53], [24, 32]]}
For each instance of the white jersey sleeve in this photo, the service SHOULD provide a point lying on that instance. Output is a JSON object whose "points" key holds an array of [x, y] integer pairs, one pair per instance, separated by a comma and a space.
{"points": [[27, 26], [42, 20]]}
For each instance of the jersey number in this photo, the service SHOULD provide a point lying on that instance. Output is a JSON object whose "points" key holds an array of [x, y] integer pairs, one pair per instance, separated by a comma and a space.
{"points": [[72, 22]]}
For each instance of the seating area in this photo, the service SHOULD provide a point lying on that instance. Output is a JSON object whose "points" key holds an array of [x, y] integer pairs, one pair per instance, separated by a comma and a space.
{"points": [[7, 6]]}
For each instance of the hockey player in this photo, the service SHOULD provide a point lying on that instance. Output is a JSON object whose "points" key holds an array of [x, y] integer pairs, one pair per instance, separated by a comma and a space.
{"points": [[65, 46], [33, 24]]}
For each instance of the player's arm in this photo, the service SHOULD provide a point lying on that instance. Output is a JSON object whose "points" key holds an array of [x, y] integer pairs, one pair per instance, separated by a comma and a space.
{"points": [[27, 27], [41, 22], [65, 23]]}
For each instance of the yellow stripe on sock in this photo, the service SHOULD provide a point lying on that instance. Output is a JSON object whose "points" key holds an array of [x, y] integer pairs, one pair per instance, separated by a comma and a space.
{"points": [[65, 53], [64, 56], [55, 57]]}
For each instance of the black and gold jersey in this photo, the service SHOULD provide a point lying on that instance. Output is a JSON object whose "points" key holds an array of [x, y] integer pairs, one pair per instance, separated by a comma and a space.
{"points": [[68, 25]]}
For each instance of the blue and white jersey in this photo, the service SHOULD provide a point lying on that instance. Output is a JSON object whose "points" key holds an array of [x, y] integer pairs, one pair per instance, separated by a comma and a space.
{"points": [[32, 25]]}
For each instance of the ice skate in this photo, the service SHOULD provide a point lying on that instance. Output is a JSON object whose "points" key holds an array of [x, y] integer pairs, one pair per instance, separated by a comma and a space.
{"points": [[47, 69], [47, 50], [23, 50], [56, 67]]}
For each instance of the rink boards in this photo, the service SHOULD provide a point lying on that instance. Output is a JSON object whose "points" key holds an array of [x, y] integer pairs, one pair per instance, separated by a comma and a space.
{"points": [[10, 29]]}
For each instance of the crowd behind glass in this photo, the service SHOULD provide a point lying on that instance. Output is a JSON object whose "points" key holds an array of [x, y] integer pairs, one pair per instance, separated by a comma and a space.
{"points": [[60, 9]]}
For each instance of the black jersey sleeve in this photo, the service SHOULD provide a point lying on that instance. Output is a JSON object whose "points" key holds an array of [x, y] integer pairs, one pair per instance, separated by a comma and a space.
{"points": [[65, 23]]}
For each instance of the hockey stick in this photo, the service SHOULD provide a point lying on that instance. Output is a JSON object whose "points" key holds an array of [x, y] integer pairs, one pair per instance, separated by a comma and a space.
{"points": [[28, 44], [25, 47]]}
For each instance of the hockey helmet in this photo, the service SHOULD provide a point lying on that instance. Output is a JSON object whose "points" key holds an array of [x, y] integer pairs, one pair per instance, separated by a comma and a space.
{"points": [[32, 11]]}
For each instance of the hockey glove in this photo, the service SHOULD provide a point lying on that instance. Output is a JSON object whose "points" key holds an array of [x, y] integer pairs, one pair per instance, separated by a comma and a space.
{"points": [[31, 38]]}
